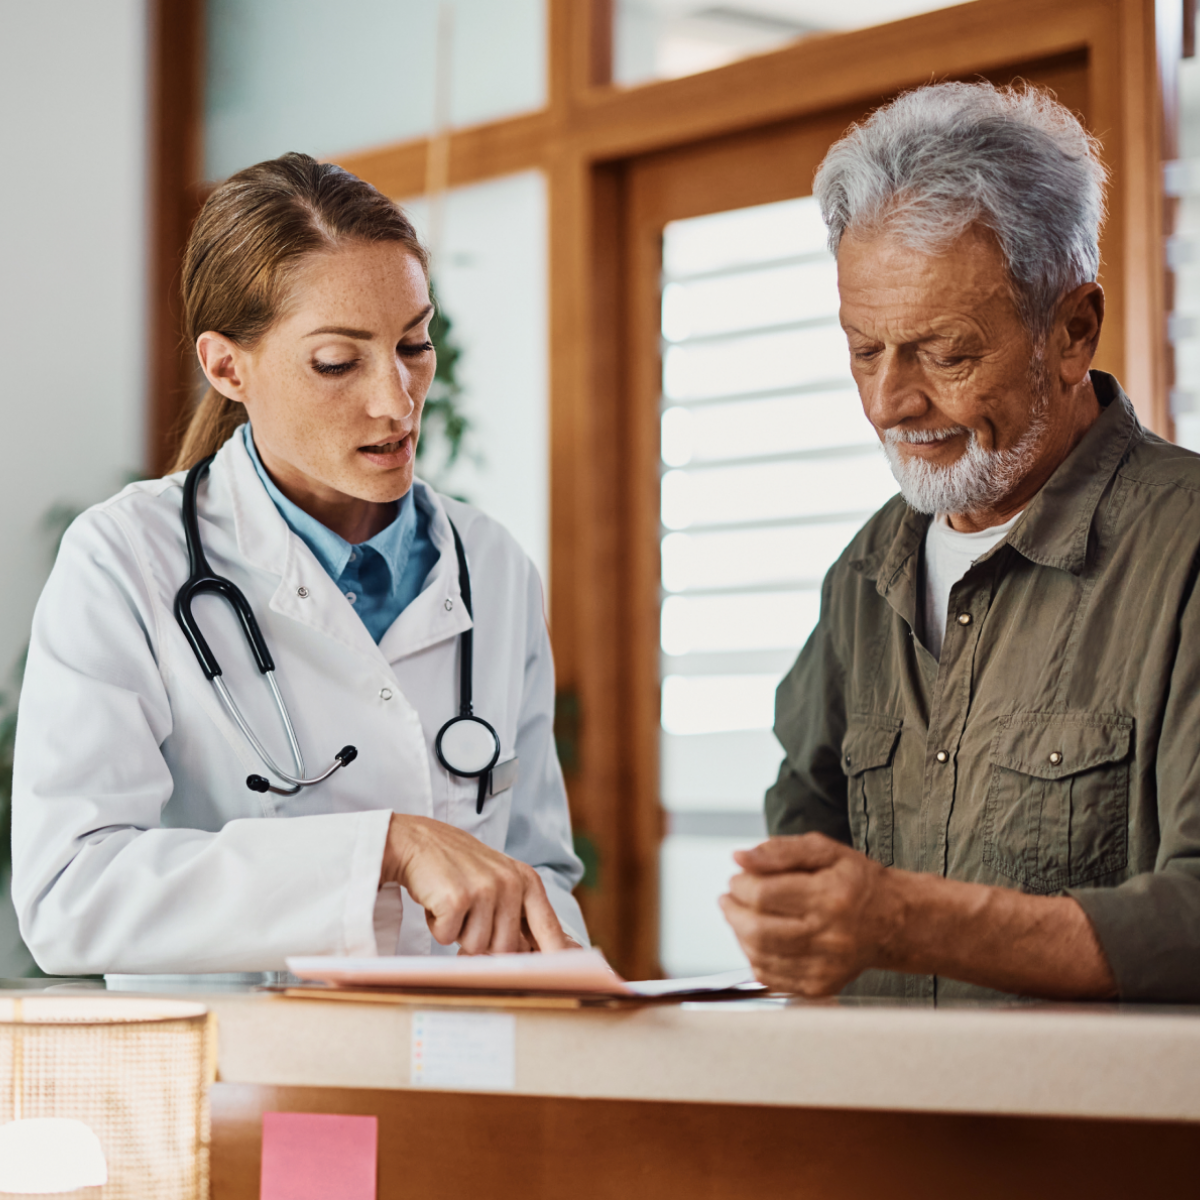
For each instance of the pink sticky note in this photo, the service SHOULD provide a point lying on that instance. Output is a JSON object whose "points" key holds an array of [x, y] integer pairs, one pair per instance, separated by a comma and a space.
{"points": [[317, 1156]]}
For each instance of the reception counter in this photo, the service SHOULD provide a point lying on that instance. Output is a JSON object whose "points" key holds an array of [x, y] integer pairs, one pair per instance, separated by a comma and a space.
{"points": [[744, 1098], [749, 1098]]}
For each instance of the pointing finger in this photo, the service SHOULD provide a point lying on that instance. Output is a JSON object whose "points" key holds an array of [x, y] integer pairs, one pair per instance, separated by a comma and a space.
{"points": [[542, 919]]}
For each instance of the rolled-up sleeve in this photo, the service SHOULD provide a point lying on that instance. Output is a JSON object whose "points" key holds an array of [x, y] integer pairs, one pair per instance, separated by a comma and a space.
{"points": [[1149, 926]]}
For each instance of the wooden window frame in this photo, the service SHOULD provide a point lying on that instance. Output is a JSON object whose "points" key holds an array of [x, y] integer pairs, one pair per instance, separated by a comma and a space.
{"points": [[603, 493]]}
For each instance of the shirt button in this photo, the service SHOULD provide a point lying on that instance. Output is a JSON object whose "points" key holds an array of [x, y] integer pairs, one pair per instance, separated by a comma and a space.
{"points": [[942, 756], [351, 597], [385, 693], [302, 592], [353, 556], [964, 618], [1055, 758]]}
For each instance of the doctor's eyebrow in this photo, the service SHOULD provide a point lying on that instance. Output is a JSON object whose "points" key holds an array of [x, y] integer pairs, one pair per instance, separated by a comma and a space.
{"points": [[365, 335]]}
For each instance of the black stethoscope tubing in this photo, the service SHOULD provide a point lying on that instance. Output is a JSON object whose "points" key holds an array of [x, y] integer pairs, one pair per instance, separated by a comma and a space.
{"points": [[203, 579]]}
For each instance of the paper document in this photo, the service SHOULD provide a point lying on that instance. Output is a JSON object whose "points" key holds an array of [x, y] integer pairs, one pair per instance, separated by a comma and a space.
{"points": [[571, 971]]}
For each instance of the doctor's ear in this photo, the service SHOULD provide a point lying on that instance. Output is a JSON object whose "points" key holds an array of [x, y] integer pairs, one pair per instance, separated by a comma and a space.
{"points": [[221, 360]]}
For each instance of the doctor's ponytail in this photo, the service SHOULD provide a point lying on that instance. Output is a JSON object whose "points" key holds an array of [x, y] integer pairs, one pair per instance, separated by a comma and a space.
{"points": [[250, 236]]}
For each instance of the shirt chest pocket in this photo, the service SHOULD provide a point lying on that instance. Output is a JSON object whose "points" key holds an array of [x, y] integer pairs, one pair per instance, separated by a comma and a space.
{"points": [[867, 752], [1057, 808]]}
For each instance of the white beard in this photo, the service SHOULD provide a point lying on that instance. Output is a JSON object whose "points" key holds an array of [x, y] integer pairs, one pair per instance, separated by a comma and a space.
{"points": [[979, 478]]}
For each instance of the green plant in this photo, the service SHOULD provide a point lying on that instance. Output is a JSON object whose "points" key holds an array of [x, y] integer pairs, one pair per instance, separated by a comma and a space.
{"points": [[445, 427]]}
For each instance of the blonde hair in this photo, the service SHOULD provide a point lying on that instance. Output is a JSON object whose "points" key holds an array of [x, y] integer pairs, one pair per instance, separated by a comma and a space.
{"points": [[251, 235]]}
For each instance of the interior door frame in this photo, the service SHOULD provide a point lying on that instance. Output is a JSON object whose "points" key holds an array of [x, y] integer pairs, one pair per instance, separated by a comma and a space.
{"points": [[776, 160]]}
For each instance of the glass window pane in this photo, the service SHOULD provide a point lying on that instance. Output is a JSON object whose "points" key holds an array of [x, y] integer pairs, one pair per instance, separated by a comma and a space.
{"points": [[665, 39], [1183, 256], [776, 490], [695, 937], [718, 703], [757, 363], [287, 75], [763, 431], [753, 557], [774, 425], [749, 300], [741, 236], [721, 771], [742, 621]]}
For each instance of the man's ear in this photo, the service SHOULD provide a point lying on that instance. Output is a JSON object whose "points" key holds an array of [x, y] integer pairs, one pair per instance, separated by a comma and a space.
{"points": [[223, 363], [1077, 331]]}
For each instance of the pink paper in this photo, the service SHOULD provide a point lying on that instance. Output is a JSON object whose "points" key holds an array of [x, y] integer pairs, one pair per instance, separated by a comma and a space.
{"points": [[315, 1156]]}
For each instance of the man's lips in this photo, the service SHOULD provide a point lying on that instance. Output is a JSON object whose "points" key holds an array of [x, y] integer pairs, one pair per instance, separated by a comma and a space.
{"points": [[385, 447], [925, 443]]}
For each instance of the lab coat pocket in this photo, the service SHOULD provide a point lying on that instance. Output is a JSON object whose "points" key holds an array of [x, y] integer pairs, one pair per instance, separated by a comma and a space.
{"points": [[867, 751], [491, 825], [1057, 807]]}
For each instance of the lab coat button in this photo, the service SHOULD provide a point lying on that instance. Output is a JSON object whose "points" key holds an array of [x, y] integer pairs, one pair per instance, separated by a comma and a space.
{"points": [[385, 693], [302, 592], [942, 756], [449, 605], [964, 618]]}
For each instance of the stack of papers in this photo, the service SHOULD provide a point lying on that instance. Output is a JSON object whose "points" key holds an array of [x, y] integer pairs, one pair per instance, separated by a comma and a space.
{"points": [[567, 972]]}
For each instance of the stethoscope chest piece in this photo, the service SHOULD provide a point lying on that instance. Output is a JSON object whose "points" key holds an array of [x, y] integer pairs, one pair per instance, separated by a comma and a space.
{"points": [[467, 746]]}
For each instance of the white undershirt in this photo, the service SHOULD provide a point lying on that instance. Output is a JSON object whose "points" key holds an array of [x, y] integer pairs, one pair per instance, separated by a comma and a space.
{"points": [[948, 557]]}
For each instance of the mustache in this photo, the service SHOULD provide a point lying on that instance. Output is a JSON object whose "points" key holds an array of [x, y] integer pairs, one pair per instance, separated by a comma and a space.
{"points": [[920, 437]]}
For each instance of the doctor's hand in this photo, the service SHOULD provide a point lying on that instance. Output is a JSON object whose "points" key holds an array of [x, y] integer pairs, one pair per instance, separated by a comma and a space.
{"points": [[810, 913], [474, 895]]}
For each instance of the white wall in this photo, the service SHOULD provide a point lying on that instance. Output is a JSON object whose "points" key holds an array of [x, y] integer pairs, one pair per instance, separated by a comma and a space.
{"points": [[491, 279], [72, 272], [320, 77]]}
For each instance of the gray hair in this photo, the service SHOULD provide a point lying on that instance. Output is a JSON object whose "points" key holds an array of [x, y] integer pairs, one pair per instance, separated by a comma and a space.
{"points": [[942, 158]]}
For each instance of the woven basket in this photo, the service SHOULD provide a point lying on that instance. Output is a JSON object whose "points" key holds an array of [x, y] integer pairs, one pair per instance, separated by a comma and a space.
{"points": [[135, 1071]]}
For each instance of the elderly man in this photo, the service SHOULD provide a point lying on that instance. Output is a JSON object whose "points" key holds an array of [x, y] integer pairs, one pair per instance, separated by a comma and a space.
{"points": [[993, 735]]}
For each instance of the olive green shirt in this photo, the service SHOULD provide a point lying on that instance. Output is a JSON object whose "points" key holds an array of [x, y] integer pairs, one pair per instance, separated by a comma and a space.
{"points": [[1055, 747]]}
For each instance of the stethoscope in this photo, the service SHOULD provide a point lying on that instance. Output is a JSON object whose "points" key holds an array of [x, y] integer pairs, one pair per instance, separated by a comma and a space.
{"points": [[466, 745]]}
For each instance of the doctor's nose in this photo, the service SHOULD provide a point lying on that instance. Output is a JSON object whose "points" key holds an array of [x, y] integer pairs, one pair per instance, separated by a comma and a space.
{"points": [[393, 395]]}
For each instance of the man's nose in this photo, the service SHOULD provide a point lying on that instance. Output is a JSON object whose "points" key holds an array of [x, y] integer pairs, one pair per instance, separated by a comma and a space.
{"points": [[894, 391]]}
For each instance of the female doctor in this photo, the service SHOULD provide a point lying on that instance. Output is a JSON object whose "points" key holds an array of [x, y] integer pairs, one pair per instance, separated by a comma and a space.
{"points": [[165, 820]]}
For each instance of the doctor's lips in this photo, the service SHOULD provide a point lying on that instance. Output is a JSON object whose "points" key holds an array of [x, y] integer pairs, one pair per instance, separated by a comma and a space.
{"points": [[390, 454]]}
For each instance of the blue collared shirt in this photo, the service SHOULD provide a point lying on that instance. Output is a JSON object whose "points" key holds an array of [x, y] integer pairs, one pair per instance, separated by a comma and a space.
{"points": [[381, 576]]}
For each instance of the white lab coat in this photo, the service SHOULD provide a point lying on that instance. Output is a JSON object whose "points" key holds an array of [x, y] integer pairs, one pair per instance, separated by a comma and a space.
{"points": [[137, 846]]}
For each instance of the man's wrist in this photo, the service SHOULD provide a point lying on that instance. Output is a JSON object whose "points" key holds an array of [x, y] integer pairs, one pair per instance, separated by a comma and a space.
{"points": [[893, 906]]}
